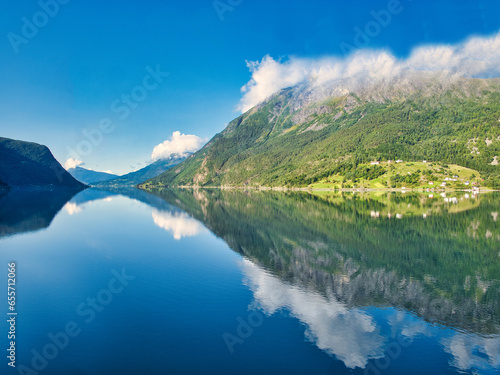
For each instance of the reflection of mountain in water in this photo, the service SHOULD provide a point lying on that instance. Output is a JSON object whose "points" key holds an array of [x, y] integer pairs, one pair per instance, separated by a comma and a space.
{"points": [[94, 194], [350, 334], [444, 268], [179, 224], [26, 211], [165, 215], [354, 335]]}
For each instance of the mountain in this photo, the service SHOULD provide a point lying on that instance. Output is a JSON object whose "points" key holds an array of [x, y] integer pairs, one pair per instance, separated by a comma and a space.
{"points": [[313, 131], [30, 165], [89, 177], [152, 170]]}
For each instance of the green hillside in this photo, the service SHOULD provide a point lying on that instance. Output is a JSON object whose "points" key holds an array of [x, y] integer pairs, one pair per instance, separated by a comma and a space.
{"points": [[293, 141]]}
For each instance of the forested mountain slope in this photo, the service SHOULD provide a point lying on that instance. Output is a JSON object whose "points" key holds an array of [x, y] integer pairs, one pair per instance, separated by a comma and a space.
{"points": [[307, 132]]}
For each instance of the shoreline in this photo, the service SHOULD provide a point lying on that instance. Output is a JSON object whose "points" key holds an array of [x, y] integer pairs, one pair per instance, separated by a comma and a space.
{"points": [[309, 189]]}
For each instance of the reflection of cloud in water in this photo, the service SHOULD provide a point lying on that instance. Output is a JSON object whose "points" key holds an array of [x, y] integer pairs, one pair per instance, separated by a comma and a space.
{"points": [[408, 326], [354, 336], [73, 208], [179, 224], [349, 334], [473, 352]]}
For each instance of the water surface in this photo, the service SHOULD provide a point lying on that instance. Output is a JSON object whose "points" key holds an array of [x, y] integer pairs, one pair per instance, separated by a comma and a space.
{"points": [[225, 282]]}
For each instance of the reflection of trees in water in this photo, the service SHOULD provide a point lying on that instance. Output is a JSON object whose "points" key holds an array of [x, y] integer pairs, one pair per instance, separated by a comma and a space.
{"points": [[356, 335], [433, 266], [26, 211], [352, 335]]}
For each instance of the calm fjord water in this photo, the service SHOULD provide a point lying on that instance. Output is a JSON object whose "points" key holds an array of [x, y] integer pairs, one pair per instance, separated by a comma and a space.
{"points": [[232, 282]]}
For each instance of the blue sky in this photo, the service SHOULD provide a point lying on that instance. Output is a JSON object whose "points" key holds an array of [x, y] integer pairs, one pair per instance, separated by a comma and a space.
{"points": [[64, 79]]}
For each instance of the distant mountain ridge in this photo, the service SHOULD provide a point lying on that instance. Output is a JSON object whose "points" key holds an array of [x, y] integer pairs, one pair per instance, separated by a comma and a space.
{"points": [[152, 170], [88, 176], [314, 130], [31, 165]]}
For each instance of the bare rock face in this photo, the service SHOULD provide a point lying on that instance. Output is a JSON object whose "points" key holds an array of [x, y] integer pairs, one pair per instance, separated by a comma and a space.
{"points": [[302, 100]]}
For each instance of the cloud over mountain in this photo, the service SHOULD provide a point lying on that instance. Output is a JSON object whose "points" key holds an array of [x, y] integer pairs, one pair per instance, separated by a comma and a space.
{"points": [[72, 163], [178, 145], [476, 57]]}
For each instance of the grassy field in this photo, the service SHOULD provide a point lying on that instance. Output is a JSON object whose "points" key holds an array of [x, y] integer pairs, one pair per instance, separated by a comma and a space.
{"points": [[426, 175]]}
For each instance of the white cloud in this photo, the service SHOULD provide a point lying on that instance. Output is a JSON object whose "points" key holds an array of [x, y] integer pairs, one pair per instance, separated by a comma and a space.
{"points": [[108, 171], [179, 145], [476, 57], [72, 163], [268, 76], [179, 224]]}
